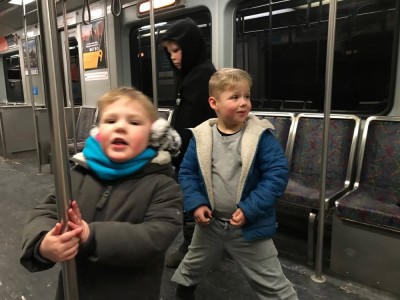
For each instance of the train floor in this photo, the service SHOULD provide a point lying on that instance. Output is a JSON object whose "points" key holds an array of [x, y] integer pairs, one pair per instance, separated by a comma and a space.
{"points": [[21, 188]]}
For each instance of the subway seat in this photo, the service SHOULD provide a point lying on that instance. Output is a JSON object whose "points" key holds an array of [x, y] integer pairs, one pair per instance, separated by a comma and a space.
{"points": [[302, 194], [283, 123], [85, 122], [165, 113], [366, 223], [375, 199]]}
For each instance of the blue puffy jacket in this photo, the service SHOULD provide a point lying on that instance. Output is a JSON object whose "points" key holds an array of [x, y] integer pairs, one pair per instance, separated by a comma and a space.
{"points": [[263, 177]]}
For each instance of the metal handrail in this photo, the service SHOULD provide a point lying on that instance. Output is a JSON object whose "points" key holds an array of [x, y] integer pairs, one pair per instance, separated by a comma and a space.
{"points": [[30, 93], [318, 277], [53, 80]]}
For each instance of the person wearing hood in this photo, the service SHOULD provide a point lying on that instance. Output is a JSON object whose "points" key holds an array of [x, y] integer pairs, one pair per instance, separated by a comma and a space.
{"points": [[185, 46], [126, 209]]}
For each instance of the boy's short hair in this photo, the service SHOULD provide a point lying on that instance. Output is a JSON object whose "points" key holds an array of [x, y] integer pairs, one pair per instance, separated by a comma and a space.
{"points": [[131, 93], [226, 78]]}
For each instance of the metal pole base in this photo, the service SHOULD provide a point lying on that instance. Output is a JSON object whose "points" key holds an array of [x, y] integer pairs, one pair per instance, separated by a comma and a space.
{"points": [[318, 279]]}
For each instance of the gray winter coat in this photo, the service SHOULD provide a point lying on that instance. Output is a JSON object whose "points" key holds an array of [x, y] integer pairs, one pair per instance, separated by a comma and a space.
{"points": [[132, 223]]}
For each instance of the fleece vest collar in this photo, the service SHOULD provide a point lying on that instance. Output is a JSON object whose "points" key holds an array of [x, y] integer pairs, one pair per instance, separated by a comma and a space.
{"points": [[251, 136]]}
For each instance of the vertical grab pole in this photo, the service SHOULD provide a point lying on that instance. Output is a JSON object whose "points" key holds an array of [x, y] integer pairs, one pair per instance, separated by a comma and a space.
{"points": [[31, 95], [269, 47], [153, 54], [318, 277], [53, 79], [69, 81]]}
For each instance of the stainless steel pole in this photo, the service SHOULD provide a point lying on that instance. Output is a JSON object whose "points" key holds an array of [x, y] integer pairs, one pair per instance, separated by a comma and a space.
{"points": [[318, 277], [53, 79], [31, 95], [68, 82], [153, 54]]}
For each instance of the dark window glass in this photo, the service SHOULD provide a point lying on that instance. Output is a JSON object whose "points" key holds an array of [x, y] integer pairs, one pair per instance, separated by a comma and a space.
{"points": [[12, 74], [75, 71], [140, 47], [283, 47]]}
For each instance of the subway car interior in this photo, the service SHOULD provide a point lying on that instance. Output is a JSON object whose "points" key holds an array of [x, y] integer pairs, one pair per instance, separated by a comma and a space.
{"points": [[326, 74]]}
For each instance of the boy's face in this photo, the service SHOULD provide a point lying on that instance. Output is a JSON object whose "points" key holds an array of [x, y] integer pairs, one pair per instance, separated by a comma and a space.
{"points": [[124, 129], [232, 107], [175, 52]]}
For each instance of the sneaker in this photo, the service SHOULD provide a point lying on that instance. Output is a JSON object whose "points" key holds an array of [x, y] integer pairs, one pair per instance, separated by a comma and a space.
{"points": [[185, 292]]}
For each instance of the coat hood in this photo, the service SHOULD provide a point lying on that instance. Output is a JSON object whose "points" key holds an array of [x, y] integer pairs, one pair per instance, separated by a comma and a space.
{"points": [[191, 40], [260, 124]]}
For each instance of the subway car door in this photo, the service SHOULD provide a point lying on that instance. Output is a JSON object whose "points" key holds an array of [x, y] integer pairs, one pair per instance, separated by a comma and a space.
{"points": [[13, 80], [74, 53]]}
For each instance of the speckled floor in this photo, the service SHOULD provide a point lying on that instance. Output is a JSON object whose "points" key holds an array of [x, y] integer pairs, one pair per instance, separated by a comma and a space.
{"points": [[21, 188]]}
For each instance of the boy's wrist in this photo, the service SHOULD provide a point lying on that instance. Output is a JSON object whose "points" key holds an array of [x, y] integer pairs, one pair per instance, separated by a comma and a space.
{"points": [[88, 245], [37, 253], [85, 233]]}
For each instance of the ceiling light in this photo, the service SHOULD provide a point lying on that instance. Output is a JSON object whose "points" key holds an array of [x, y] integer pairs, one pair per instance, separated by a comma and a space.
{"points": [[19, 2], [145, 6]]}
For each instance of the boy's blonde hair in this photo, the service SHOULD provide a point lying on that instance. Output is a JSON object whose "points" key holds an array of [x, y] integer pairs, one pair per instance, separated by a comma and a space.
{"points": [[131, 93], [227, 78]]}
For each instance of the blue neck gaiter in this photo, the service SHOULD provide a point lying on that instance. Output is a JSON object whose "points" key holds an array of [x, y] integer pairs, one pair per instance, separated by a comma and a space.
{"points": [[106, 169]]}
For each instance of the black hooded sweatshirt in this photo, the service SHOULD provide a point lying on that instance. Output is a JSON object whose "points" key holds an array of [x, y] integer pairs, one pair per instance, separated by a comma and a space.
{"points": [[192, 106]]}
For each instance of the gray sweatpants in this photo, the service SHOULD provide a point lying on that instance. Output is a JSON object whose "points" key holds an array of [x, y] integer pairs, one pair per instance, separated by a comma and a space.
{"points": [[257, 259]]}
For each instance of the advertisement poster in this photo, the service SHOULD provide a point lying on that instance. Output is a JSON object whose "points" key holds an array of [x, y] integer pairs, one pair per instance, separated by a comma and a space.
{"points": [[33, 59], [3, 44], [94, 51], [8, 42]]}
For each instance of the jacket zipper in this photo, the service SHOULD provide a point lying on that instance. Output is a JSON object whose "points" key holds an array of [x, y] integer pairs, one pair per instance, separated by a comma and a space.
{"points": [[104, 197]]}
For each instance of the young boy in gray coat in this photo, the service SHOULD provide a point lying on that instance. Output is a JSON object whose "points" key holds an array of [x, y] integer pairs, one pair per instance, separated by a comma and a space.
{"points": [[126, 209]]}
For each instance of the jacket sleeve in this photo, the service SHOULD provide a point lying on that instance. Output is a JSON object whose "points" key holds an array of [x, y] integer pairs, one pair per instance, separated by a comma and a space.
{"points": [[272, 179], [191, 181], [135, 245], [41, 220]]}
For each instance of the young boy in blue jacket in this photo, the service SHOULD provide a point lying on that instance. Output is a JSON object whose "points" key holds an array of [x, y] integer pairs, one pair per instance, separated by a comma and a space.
{"points": [[232, 175]]}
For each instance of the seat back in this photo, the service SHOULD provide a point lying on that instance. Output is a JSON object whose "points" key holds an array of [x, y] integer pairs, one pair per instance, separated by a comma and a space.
{"points": [[379, 155], [375, 198], [165, 113], [86, 119], [305, 153], [283, 123]]}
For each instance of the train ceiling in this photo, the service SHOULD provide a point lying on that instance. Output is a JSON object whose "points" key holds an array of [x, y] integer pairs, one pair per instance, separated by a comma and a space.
{"points": [[12, 20], [11, 15]]}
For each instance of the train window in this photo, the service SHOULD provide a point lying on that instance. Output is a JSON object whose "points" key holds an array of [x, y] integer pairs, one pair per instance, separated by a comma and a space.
{"points": [[140, 48], [74, 69], [283, 46], [12, 75]]}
